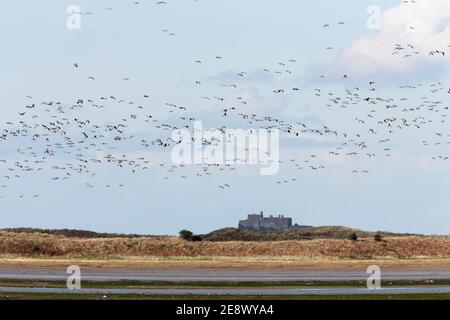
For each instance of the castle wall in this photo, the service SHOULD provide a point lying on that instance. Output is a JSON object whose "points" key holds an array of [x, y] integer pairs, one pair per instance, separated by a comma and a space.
{"points": [[257, 222]]}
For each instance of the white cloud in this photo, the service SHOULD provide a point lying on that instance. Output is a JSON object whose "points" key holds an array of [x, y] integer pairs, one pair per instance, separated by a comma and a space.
{"points": [[425, 25]]}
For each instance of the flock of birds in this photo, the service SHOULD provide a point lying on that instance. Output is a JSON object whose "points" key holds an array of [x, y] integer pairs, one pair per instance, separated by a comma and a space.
{"points": [[61, 140]]}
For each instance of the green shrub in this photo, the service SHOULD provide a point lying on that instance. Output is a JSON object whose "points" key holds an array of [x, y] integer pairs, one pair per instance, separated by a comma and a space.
{"points": [[186, 235], [353, 237], [378, 237], [196, 238]]}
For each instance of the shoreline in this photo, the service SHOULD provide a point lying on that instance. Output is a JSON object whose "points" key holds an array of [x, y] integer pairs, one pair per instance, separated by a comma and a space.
{"points": [[227, 263]]}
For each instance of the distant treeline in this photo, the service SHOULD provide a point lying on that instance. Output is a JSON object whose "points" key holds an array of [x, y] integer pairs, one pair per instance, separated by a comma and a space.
{"points": [[72, 233], [228, 234]]}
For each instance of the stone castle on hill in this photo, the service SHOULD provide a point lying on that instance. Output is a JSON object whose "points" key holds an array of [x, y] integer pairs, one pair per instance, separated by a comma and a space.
{"points": [[259, 223]]}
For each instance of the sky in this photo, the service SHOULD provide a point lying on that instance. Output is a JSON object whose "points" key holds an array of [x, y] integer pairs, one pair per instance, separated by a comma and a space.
{"points": [[405, 192]]}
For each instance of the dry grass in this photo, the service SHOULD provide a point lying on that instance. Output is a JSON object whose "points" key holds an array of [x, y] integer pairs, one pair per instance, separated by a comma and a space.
{"points": [[45, 245]]}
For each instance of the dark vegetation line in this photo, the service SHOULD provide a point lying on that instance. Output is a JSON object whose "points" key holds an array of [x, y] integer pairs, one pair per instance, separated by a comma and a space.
{"points": [[218, 284], [49, 296]]}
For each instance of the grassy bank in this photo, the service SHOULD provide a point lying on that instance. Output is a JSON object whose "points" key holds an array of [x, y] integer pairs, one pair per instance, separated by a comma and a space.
{"points": [[48, 245], [127, 284]]}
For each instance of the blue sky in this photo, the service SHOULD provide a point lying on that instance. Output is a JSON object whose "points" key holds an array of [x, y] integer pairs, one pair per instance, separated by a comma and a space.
{"points": [[406, 193]]}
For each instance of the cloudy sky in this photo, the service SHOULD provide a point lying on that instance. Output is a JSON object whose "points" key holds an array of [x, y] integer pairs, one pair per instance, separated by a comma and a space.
{"points": [[323, 48]]}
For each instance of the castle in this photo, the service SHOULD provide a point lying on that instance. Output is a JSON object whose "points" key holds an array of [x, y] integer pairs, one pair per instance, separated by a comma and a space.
{"points": [[257, 222]]}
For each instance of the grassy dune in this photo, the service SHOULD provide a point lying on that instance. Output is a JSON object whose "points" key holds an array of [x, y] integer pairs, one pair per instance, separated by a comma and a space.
{"points": [[304, 233], [47, 245]]}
